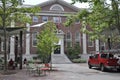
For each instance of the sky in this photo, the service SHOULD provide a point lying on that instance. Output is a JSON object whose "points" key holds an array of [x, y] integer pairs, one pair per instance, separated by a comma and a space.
{"points": [[34, 2]]}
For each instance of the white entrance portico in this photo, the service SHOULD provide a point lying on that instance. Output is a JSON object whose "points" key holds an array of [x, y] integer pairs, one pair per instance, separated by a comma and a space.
{"points": [[60, 35]]}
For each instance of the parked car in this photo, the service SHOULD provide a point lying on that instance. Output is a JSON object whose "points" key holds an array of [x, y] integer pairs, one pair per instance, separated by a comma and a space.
{"points": [[103, 61]]}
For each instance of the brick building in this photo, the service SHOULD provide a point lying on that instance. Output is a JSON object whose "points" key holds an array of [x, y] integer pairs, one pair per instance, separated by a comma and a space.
{"points": [[56, 11]]}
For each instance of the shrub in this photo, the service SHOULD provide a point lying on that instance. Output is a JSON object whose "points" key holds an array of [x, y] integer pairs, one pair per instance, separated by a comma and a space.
{"points": [[30, 62], [35, 57], [73, 52]]}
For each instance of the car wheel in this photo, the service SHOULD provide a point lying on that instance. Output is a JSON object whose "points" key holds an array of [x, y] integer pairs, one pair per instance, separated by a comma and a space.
{"points": [[118, 70], [89, 65], [102, 68]]}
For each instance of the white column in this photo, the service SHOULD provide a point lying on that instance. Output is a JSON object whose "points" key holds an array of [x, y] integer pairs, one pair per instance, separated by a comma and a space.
{"points": [[62, 45], [84, 44], [12, 45], [28, 40], [97, 44], [12, 41], [84, 39]]}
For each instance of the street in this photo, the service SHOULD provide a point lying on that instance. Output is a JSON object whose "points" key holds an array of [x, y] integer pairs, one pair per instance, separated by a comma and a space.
{"points": [[82, 72]]}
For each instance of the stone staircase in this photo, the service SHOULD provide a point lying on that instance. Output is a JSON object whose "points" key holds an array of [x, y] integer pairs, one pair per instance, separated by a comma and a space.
{"points": [[60, 59]]}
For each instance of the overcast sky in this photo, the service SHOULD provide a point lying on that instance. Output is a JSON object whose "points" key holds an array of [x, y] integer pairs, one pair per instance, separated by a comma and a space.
{"points": [[34, 2]]}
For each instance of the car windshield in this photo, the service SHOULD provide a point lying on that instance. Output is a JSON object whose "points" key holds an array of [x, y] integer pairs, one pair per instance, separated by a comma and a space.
{"points": [[107, 56]]}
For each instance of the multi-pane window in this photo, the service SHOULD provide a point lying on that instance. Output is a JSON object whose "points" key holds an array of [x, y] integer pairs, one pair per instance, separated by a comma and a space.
{"points": [[77, 38], [57, 19], [34, 39], [68, 40], [90, 42], [68, 44], [77, 21], [68, 36], [35, 18], [44, 18]]}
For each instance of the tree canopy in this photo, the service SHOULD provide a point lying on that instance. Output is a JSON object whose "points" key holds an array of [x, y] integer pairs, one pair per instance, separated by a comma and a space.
{"points": [[102, 16], [47, 40], [11, 10]]}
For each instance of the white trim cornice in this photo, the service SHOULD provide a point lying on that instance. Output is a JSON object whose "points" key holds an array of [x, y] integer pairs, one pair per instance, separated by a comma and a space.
{"points": [[58, 12], [53, 13]]}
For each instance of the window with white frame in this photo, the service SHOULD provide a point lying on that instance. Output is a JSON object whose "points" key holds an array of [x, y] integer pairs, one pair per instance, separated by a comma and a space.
{"points": [[57, 19], [68, 40], [77, 38], [44, 18], [35, 18], [34, 39], [90, 42]]}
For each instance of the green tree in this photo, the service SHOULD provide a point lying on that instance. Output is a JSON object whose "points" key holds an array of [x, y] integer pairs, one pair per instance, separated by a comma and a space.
{"points": [[11, 10], [101, 17], [47, 40]]}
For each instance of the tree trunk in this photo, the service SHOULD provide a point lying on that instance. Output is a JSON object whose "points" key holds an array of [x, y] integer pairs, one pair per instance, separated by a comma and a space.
{"points": [[109, 43], [5, 50]]}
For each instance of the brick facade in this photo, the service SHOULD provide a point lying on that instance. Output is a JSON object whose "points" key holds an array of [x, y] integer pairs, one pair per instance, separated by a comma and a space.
{"points": [[45, 11]]}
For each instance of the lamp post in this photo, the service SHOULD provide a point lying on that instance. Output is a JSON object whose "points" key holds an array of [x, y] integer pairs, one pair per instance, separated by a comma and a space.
{"points": [[21, 50]]}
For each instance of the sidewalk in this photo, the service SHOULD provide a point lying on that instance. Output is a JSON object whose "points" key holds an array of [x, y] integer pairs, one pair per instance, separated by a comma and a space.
{"points": [[65, 72]]}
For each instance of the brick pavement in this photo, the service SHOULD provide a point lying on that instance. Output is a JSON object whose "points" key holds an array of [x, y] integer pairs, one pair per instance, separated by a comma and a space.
{"points": [[61, 74]]}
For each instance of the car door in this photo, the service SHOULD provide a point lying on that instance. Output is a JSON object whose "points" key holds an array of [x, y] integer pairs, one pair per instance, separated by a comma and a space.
{"points": [[96, 62]]}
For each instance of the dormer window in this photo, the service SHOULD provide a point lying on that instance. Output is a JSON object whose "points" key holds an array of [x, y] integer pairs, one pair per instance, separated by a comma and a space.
{"points": [[56, 7]]}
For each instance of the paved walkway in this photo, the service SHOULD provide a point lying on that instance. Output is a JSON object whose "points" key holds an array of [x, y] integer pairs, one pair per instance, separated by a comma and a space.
{"points": [[64, 72]]}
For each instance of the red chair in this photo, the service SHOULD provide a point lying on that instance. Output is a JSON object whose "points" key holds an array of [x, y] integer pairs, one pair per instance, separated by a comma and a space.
{"points": [[47, 65], [46, 68]]}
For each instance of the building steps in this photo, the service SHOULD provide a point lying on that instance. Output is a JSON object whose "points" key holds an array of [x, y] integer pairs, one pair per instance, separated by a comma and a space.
{"points": [[60, 59]]}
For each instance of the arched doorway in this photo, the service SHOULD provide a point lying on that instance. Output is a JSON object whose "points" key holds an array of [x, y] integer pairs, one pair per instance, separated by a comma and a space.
{"points": [[57, 50]]}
